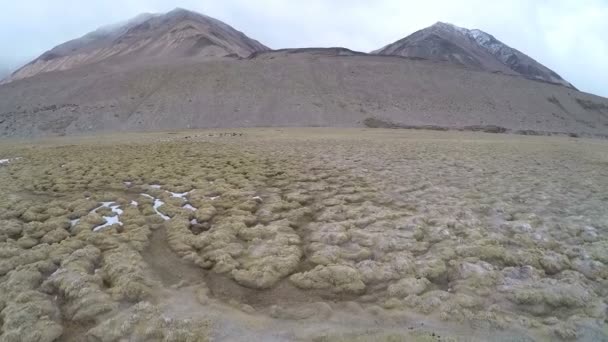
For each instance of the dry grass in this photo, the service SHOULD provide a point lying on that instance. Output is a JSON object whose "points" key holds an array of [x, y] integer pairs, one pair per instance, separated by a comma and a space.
{"points": [[470, 233]]}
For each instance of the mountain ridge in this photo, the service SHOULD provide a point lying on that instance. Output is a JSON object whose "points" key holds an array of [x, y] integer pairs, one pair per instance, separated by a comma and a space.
{"points": [[211, 38], [472, 48], [293, 88], [175, 34], [185, 70]]}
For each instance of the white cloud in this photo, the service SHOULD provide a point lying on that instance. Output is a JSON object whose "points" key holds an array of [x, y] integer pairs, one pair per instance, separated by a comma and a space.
{"points": [[569, 36]]}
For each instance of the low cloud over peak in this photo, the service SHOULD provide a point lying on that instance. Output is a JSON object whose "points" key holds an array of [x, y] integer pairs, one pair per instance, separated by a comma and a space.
{"points": [[567, 36]]}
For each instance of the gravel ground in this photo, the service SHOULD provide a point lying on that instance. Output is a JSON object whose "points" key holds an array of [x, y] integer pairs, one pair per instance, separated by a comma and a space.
{"points": [[292, 88]]}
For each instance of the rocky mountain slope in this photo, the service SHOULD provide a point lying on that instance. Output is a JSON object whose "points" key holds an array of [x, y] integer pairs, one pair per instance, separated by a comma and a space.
{"points": [[179, 33], [185, 70], [312, 87], [472, 48], [4, 72]]}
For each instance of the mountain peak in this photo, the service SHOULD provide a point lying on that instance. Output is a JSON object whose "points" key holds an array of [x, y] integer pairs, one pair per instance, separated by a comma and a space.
{"points": [[448, 26], [443, 24], [471, 48], [179, 12], [175, 34]]}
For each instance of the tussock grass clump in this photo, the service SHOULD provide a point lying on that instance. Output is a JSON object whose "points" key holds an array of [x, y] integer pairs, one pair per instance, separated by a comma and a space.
{"points": [[144, 322], [28, 314], [80, 287], [336, 278], [489, 230], [127, 274]]}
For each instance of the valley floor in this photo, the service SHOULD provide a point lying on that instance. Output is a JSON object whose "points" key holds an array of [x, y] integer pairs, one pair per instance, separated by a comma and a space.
{"points": [[304, 235]]}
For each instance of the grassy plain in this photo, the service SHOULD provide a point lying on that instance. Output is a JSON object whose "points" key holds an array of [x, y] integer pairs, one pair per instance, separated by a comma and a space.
{"points": [[304, 234]]}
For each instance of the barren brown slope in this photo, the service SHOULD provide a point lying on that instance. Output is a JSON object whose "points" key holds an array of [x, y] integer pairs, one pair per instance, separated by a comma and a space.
{"points": [[179, 33], [291, 88]]}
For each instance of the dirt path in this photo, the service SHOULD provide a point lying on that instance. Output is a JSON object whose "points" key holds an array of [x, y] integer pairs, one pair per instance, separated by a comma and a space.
{"points": [[168, 266]]}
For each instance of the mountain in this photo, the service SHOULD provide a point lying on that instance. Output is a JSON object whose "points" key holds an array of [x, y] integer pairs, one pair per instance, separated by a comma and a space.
{"points": [[170, 71], [4, 71], [179, 33], [470, 48]]}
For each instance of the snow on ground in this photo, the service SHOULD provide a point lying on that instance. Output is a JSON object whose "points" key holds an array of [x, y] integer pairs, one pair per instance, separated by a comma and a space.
{"points": [[7, 161], [110, 220], [134, 203], [155, 186], [157, 204], [103, 204], [179, 195], [189, 207], [214, 198]]}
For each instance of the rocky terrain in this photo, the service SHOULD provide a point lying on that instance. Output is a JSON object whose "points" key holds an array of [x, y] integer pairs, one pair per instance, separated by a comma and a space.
{"points": [[185, 70], [311, 87], [471, 48], [304, 235]]}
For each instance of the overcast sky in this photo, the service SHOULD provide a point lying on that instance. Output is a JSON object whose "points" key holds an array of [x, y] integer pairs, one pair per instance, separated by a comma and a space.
{"points": [[568, 36]]}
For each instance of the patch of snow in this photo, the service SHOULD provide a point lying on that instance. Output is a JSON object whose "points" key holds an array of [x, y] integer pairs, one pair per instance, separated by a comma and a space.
{"points": [[155, 186], [477, 33], [134, 203], [214, 198], [117, 210], [74, 222], [146, 195], [488, 42], [128, 183], [178, 195], [103, 204], [110, 220], [6, 161], [189, 207], [193, 221], [157, 204]]}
